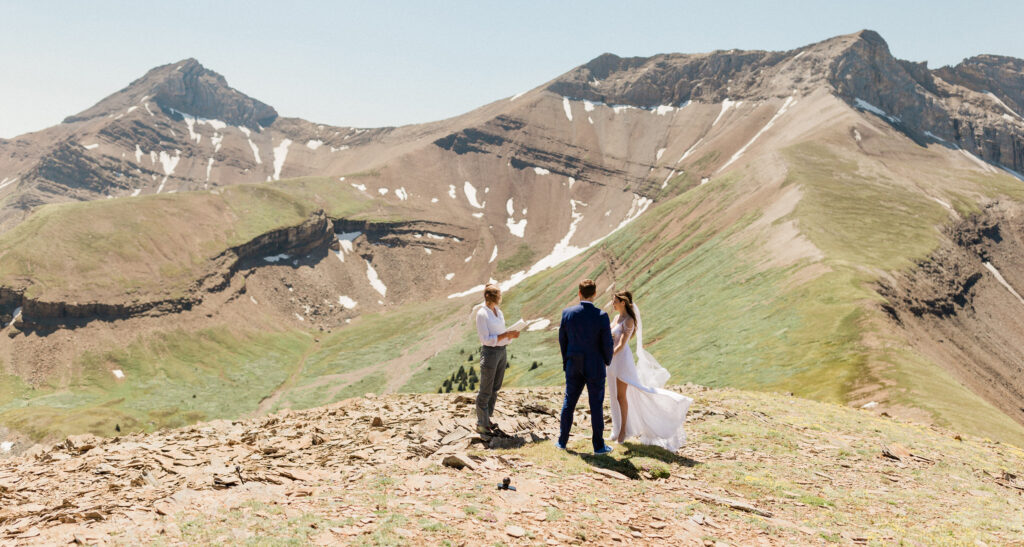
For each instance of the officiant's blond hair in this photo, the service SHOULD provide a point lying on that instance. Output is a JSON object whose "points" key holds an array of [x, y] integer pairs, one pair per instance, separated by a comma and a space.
{"points": [[492, 294]]}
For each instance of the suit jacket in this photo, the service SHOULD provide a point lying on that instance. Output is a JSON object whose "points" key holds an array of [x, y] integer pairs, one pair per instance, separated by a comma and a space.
{"points": [[585, 338]]}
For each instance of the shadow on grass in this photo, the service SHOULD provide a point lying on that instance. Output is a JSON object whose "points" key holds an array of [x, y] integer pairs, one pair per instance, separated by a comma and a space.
{"points": [[658, 453], [621, 459]]}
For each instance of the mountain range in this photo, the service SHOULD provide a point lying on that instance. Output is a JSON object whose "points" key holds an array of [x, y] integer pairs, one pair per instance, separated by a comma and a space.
{"points": [[829, 221]]}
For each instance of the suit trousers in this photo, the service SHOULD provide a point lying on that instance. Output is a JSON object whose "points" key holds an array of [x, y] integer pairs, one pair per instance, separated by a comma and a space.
{"points": [[575, 381]]}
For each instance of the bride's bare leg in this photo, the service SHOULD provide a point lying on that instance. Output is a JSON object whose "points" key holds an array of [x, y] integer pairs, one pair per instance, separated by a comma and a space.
{"points": [[620, 395]]}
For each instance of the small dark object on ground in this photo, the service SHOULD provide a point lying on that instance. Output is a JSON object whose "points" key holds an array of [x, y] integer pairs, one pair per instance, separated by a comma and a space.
{"points": [[506, 484]]}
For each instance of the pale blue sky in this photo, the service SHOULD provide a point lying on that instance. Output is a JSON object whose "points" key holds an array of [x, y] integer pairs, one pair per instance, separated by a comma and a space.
{"points": [[390, 63]]}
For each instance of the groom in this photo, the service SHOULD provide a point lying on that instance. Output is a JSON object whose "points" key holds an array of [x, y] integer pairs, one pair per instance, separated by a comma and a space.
{"points": [[585, 337]]}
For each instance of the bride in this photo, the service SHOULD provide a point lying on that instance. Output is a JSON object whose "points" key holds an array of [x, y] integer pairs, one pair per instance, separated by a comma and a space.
{"points": [[640, 407]]}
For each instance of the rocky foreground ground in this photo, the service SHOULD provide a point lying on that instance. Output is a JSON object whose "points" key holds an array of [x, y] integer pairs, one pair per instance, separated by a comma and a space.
{"points": [[759, 469]]}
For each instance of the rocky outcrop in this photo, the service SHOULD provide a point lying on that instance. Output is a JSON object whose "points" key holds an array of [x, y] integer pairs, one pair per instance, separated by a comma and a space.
{"points": [[974, 105], [204, 93], [418, 456], [670, 79], [316, 233], [508, 138], [866, 70], [963, 306], [72, 171], [1002, 76], [977, 105], [189, 87]]}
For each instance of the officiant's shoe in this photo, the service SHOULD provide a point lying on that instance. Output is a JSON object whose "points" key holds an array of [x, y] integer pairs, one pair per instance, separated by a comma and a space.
{"points": [[559, 445], [484, 430], [497, 432], [603, 450]]}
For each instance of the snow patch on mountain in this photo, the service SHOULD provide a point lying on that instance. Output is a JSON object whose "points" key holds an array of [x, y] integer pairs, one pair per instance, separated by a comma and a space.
{"points": [[470, 192], [726, 105], [1000, 102], [564, 250], [864, 105], [668, 178], [375, 281], [345, 243], [280, 154], [518, 229], [782, 110], [255, 151], [1002, 280]]}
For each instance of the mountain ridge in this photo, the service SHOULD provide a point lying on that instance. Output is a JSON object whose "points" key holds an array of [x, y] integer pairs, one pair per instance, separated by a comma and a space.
{"points": [[804, 197]]}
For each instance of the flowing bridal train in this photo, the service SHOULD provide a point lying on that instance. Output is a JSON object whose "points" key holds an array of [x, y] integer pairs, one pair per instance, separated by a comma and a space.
{"points": [[655, 416]]}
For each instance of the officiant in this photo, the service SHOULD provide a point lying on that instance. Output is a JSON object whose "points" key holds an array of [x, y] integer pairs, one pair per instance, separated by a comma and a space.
{"points": [[490, 328]]}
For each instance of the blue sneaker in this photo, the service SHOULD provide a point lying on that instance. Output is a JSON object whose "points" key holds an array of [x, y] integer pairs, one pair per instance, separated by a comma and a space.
{"points": [[559, 445], [604, 450]]}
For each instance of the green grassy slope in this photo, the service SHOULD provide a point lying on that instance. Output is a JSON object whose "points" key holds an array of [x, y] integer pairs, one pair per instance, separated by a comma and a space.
{"points": [[180, 377], [138, 246], [715, 313], [715, 316]]}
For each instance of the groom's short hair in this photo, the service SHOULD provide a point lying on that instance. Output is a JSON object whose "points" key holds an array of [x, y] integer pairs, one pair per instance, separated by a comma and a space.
{"points": [[588, 288]]}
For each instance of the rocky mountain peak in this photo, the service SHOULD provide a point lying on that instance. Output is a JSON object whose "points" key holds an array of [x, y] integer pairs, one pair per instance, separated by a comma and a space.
{"points": [[1002, 76], [675, 78], [189, 87]]}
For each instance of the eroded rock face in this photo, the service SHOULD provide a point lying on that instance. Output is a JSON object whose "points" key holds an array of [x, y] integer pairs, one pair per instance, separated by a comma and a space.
{"points": [[1002, 76], [977, 105], [206, 94], [188, 87], [316, 233], [963, 305], [668, 79]]}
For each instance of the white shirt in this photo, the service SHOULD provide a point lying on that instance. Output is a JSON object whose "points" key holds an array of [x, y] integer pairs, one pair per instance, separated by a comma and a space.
{"points": [[489, 325]]}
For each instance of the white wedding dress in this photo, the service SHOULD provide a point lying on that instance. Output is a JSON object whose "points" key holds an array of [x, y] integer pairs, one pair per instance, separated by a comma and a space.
{"points": [[655, 416]]}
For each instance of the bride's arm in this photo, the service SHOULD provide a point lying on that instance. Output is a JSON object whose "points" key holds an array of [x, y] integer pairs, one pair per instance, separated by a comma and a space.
{"points": [[627, 332]]}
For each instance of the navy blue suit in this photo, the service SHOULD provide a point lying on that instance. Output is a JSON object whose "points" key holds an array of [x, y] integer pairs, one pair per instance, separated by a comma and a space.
{"points": [[585, 337]]}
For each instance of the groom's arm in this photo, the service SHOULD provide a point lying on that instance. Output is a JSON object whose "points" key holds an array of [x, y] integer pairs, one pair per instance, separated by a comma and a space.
{"points": [[563, 338], [607, 346]]}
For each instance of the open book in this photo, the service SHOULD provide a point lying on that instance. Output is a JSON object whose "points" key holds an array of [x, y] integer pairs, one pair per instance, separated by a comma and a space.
{"points": [[519, 325]]}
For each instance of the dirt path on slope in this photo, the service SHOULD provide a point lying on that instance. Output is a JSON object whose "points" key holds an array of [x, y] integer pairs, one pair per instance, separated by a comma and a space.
{"points": [[267, 403], [401, 369]]}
